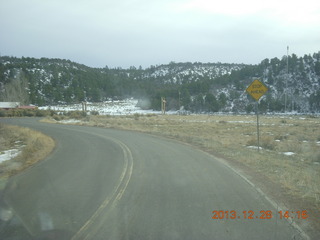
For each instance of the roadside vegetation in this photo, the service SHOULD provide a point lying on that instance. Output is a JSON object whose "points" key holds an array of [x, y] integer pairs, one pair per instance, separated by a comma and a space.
{"points": [[26, 113], [34, 146]]}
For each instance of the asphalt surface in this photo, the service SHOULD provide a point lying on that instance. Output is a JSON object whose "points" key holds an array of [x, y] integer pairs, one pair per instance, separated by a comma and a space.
{"points": [[111, 184]]}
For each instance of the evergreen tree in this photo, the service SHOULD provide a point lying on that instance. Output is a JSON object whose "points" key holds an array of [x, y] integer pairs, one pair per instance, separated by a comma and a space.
{"points": [[211, 103]]}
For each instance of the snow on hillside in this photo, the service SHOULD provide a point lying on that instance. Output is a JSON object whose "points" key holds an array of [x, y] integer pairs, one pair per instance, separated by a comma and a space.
{"points": [[57, 81], [177, 73]]}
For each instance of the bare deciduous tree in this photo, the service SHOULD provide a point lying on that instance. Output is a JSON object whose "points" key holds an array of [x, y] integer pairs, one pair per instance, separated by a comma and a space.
{"points": [[16, 90]]}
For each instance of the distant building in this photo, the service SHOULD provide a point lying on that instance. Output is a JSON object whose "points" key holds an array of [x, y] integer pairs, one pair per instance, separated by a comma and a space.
{"points": [[28, 107], [9, 105]]}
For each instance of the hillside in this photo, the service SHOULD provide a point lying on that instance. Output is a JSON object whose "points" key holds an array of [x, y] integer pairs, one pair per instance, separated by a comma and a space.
{"points": [[52, 81], [197, 87], [301, 85]]}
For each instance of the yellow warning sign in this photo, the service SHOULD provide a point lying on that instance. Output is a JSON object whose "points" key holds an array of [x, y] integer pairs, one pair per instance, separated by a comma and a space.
{"points": [[257, 89]]}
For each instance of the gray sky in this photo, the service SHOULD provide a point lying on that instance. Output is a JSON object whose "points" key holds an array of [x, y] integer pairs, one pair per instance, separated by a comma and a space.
{"points": [[123, 33]]}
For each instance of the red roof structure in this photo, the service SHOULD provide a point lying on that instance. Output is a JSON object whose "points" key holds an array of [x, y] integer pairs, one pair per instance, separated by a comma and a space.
{"points": [[28, 107]]}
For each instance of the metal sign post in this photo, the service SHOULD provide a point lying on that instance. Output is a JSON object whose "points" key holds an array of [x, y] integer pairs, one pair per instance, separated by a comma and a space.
{"points": [[256, 90], [258, 130]]}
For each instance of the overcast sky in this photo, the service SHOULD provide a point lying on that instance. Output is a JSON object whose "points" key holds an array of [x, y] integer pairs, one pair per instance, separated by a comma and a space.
{"points": [[123, 33]]}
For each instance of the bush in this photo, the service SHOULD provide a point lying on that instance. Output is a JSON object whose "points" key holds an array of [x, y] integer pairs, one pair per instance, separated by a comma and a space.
{"points": [[28, 113], [57, 117], [11, 113], [3, 113], [283, 121], [136, 116], [94, 113], [41, 113], [76, 114], [265, 142], [52, 113], [281, 137]]}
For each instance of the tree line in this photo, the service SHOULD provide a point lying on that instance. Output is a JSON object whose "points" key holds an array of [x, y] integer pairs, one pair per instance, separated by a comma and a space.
{"points": [[196, 87]]}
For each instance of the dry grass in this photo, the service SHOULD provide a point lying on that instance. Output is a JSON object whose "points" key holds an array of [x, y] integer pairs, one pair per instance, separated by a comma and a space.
{"points": [[35, 147], [230, 136]]}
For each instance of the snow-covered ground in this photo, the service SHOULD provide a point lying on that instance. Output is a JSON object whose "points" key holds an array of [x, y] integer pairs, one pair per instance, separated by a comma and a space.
{"points": [[116, 107], [288, 153], [9, 154], [129, 107]]}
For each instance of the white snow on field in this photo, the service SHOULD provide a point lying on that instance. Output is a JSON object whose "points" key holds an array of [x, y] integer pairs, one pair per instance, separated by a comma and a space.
{"points": [[111, 107], [254, 147], [69, 121], [8, 154], [241, 122], [288, 153]]}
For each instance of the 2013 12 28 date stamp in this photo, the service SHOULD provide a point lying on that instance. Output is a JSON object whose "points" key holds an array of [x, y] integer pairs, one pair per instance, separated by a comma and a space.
{"points": [[263, 214]]}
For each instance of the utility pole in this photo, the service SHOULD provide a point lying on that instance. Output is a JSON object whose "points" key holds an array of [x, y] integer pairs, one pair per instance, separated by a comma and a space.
{"points": [[179, 102], [286, 90], [258, 130], [163, 105], [84, 102]]}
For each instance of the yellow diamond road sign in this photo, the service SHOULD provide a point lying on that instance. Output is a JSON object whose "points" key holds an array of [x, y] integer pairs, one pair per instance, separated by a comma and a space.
{"points": [[257, 89]]}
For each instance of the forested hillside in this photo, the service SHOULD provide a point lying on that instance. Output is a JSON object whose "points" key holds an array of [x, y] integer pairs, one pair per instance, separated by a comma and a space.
{"points": [[197, 87], [52, 81]]}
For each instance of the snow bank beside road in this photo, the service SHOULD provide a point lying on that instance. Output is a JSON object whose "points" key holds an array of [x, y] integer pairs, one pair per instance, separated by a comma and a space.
{"points": [[9, 154]]}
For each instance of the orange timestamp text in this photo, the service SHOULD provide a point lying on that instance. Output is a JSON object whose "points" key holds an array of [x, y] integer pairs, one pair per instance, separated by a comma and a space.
{"points": [[263, 214]]}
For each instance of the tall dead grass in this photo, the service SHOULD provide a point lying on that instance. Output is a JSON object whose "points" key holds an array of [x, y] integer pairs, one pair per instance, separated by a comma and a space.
{"points": [[34, 146]]}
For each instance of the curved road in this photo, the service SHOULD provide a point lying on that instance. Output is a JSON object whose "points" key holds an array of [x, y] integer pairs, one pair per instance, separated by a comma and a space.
{"points": [[111, 184]]}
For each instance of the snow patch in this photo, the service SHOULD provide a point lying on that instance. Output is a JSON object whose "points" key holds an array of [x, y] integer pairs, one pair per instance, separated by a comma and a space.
{"points": [[9, 154], [289, 153], [254, 147], [69, 121], [240, 122]]}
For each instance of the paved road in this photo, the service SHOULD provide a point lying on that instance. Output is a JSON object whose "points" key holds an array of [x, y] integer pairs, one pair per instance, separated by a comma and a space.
{"points": [[111, 184]]}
